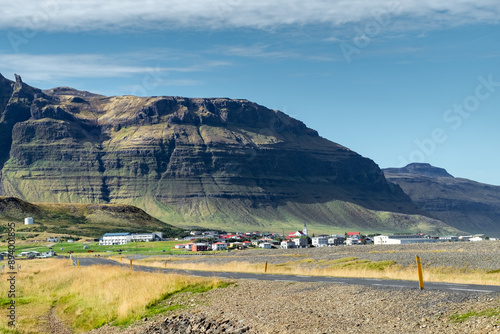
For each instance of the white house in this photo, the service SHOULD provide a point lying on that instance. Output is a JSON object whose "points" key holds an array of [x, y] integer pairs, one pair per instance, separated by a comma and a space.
{"points": [[300, 242], [287, 244], [351, 242], [400, 239], [179, 246], [30, 254], [115, 239], [336, 240], [448, 238], [476, 238], [265, 245], [28, 221], [218, 246], [320, 241]]}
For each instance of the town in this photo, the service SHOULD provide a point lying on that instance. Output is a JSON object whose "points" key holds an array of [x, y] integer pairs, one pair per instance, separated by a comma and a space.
{"points": [[201, 241]]}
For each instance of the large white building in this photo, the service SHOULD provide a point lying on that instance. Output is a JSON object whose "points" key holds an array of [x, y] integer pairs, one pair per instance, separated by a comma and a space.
{"points": [[115, 239], [28, 221], [126, 237], [400, 239]]}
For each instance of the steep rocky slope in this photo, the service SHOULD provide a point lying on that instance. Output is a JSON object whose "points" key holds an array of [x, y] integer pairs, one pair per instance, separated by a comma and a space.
{"points": [[465, 204], [191, 161]]}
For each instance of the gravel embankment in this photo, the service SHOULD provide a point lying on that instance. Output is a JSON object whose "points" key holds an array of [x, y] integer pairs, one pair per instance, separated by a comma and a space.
{"points": [[284, 307]]}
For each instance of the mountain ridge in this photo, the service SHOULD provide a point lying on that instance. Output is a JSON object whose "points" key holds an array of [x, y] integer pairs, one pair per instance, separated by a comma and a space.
{"points": [[464, 204], [191, 161]]}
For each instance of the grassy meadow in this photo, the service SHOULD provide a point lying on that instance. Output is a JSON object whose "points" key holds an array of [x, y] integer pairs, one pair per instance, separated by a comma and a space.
{"points": [[89, 297]]}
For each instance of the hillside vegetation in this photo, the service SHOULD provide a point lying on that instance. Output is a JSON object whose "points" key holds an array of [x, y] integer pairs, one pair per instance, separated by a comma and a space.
{"points": [[90, 220]]}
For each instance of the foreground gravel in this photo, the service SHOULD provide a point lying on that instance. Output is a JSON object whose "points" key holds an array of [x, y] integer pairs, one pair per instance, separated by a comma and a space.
{"points": [[284, 307]]}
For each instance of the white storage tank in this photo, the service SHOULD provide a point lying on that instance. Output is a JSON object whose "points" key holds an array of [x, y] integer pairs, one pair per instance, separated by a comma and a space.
{"points": [[28, 221]]}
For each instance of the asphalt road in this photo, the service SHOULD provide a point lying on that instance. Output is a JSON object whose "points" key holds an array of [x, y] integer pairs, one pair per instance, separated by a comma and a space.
{"points": [[381, 283]]}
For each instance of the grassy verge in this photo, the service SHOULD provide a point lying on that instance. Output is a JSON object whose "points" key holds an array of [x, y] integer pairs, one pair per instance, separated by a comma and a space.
{"points": [[89, 297], [344, 267], [492, 312]]}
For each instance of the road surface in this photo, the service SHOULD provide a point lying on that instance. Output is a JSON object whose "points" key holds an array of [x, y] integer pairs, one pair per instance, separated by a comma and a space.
{"points": [[382, 283]]}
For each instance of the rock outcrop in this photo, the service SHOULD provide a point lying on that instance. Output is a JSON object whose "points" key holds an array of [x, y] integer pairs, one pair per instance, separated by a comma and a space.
{"points": [[189, 161]]}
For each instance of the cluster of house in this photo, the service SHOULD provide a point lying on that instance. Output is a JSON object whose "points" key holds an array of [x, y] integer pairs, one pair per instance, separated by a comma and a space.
{"points": [[219, 245], [123, 238], [216, 241]]}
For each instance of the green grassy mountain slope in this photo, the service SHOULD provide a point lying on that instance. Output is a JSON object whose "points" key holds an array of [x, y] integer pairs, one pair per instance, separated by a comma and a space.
{"points": [[464, 204], [191, 162], [90, 220]]}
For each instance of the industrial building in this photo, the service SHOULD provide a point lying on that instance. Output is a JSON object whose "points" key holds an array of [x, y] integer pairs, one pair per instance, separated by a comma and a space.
{"points": [[400, 239]]}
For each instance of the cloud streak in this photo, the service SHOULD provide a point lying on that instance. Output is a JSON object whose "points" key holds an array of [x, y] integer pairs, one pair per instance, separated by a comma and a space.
{"points": [[48, 68], [64, 15]]}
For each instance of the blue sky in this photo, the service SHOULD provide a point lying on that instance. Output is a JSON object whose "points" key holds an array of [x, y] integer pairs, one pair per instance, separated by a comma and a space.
{"points": [[396, 81]]}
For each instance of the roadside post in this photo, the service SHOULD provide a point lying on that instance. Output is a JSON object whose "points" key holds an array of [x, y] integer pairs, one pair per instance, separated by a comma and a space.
{"points": [[131, 267], [265, 269], [165, 263], [420, 275], [77, 263]]}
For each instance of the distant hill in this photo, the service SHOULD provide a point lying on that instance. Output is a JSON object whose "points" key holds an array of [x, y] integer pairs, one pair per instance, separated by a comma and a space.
{"points": [[210, 162], [464, 204], [91, 220]]}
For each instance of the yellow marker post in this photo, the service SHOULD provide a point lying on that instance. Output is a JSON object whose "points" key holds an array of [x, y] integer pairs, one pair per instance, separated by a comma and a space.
{"points": [[165, 263], [131, 267], [77, 263], [265, 270], [420, 274]]}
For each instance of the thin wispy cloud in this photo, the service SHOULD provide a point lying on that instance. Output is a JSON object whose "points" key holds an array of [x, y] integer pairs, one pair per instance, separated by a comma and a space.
{"points": [[55, 67], [63, 15], [267, 52]]}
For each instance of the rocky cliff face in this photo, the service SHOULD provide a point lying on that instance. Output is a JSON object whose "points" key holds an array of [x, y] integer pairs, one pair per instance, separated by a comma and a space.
{"points": [[189, 161], [464, 204]]}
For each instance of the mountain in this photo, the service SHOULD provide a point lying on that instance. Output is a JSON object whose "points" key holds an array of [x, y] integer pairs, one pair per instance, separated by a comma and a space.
{"points": [[210, 162], [91, 220], [464, 204]]}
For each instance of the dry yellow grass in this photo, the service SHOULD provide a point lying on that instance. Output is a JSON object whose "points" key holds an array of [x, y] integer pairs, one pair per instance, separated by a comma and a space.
{"points": [[87, 297], [347, 267]]}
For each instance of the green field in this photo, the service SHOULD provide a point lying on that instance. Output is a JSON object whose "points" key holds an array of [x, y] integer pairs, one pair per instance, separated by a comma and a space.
{"points": [[147, 248]]}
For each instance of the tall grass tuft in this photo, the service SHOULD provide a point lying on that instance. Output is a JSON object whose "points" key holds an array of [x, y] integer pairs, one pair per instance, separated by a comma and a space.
{"points": [[89, 297]]}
